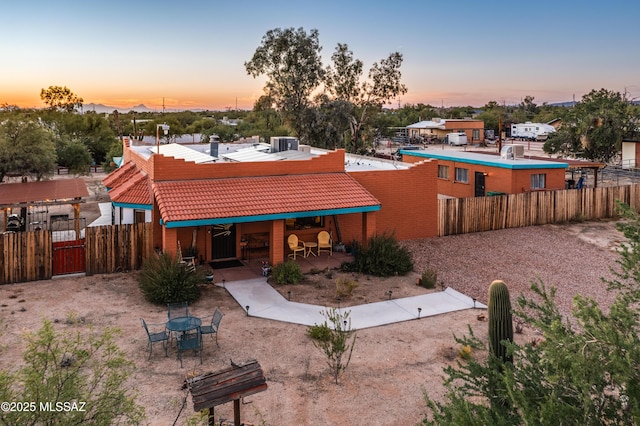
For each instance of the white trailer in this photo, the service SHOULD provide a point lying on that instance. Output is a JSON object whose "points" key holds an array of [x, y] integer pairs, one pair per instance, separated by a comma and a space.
{"points": [[532, 131], [457, 138]]}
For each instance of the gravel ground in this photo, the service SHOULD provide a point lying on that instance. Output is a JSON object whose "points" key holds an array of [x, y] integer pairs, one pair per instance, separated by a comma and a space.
{"points": [[572, 258]]}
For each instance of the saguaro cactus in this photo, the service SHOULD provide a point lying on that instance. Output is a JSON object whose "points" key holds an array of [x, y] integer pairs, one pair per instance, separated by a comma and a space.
{"points": [[500, 319]]}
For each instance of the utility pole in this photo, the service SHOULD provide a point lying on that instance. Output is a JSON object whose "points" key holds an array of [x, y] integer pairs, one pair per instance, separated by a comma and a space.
{"points": [[499, 134]]}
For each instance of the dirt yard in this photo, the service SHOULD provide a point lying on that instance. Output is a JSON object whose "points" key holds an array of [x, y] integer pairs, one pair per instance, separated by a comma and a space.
{"points": [[391, 366]]}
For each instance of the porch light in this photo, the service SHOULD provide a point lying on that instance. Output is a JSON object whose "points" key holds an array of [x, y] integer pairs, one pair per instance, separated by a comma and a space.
{"points": [[419, 310]]}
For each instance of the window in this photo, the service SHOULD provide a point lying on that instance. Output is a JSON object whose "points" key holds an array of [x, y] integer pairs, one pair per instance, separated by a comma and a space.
{"points": [[443, 172], [462, 175], [538, 181], [475, 134], [305, 222]]}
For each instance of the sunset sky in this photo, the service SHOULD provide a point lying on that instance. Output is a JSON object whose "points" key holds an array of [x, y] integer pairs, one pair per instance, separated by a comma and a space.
{"points": [[192, 52]]}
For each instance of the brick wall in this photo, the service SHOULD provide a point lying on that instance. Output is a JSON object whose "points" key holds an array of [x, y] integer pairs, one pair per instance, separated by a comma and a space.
{"points": [[409, 202]]}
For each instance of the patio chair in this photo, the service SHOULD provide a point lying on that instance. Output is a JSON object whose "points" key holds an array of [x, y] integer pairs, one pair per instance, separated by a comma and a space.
{"points": [[178, 310], [295, 246], [190, 342], [214, 326], [325, 243], [159, 336]]}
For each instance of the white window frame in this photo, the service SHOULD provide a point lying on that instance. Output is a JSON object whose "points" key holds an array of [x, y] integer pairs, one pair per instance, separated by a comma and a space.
{"points": [[539, 181], [443, 172], [462, 175]]}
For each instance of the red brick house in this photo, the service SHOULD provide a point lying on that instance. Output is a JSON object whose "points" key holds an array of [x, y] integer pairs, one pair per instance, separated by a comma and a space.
{"points": [[224, 208]]}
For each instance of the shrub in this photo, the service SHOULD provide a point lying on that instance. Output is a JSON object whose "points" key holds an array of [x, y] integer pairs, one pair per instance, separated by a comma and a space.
{"points": [[87, 373], [382, 257], [165, 280], [429, 278], [321, 333], [288, 272], [341, 338], [345, 287]]}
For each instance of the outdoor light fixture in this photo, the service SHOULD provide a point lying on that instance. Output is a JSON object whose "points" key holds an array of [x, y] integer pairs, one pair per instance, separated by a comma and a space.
{"points": [[474, 302], [289, 295], [165, 130], [223, 281], [419, 310], [247, 309], [390, 293]]}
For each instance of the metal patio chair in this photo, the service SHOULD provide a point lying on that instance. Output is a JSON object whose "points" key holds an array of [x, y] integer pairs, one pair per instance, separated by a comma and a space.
{"points": [[214, 326], [159, 336], [191, 341], [296, 246]]}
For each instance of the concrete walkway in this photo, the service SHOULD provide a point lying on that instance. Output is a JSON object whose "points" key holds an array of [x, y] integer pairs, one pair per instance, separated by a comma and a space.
{"points": [[262, 301]]}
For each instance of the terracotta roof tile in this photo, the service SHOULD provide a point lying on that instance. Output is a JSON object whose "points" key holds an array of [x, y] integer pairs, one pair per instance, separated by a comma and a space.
{"points": [[133, 191], [120, 175], [263, 195]]}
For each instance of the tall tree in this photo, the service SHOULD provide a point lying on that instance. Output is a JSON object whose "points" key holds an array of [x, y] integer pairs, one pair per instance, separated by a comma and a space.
{"points": [[290, 59], [61, 98], [344, 82], [595, 126], [26, 148]]}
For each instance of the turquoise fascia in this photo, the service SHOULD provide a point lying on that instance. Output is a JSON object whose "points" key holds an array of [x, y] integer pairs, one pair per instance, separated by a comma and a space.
{"points": [[276, 216], [512, 164], [133, 206]]}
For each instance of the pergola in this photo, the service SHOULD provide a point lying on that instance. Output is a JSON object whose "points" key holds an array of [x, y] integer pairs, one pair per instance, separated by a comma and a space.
{"points": [[57, 192]]}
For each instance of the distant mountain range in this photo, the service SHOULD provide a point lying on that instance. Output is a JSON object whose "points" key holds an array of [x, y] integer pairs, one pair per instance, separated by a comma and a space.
{"points": [[101, 109]]}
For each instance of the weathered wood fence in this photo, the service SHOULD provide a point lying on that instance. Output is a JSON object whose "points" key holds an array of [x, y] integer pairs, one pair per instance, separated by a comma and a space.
{"points": [[28, 256], [477, 214]]}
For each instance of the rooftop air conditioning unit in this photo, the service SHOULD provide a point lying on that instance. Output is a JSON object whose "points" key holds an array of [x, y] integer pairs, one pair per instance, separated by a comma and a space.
{"points": [[283, 143], [512, 152]]}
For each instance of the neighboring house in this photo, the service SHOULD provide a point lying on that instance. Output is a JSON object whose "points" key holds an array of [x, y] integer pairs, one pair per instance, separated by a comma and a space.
{"points": [[630, 153], [437, 128], [232, 202], [469, 174]]}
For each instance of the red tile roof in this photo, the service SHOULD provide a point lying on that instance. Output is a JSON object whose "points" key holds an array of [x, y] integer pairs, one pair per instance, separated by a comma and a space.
{"points": [[262, 195], [120, 175], [135, 190], [47, 190]]}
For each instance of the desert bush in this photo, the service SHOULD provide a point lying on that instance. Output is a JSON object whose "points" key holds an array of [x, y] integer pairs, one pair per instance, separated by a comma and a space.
{"points": [[288, 272], [78, 378], [345, 287], [429, 278], [382, 257], [340, 341], [165, 280], [321, 332]]}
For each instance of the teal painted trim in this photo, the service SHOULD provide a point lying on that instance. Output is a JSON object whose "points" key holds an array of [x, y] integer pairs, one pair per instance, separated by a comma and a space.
{"points": [[133, 206], [258, 218], [513, 164]]}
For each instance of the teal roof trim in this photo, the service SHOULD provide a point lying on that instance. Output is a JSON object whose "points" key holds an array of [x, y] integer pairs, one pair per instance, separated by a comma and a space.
{"points": [[133, 206], [505, 164], [276, 216]]}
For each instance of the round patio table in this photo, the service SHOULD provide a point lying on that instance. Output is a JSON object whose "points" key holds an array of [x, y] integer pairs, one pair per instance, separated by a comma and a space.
{"points": [[183, 324]]}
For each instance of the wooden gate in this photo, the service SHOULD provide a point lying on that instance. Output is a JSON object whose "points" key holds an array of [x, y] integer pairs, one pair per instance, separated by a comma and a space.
{"points": [[68, 257]]}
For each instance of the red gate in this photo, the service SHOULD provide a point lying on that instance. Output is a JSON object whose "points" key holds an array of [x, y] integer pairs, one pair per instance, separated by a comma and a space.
{"points": [[68, 257]]}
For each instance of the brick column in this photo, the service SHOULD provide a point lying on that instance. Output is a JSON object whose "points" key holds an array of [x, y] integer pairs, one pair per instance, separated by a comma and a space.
{"points": [[276, 242], [368, 226]]}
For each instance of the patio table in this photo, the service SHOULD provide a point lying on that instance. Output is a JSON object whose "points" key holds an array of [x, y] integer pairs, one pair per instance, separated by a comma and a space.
{"points": [[183, 324]]}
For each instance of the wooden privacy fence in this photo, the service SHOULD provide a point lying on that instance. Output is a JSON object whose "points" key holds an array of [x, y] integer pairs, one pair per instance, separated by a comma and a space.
{"points": [[28, 256], [465, 215], [116, 248]]}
